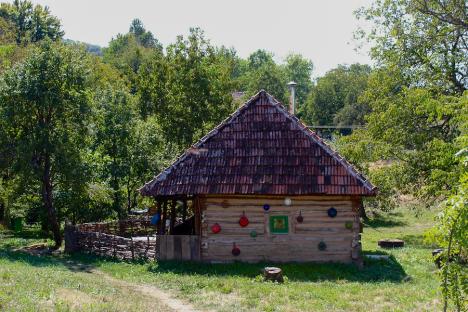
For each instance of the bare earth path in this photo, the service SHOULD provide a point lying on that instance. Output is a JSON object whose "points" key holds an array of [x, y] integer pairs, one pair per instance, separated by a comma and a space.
{"points": [[149, 291]]}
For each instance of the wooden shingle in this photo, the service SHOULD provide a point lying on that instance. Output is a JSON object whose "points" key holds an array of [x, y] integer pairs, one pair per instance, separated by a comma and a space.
{"points": [[260, 149]]}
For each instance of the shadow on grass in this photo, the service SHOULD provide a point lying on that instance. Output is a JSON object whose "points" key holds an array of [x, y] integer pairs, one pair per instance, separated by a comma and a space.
{"points": [[59, 261], [373, 271], [383, 221]]}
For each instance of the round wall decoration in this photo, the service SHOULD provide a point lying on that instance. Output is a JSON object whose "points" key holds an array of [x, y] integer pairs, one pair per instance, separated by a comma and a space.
{"points": [[216, 228], [322, 246], [235, 250], [253, 234], [243, 221], [266, 207], [332, 212], [300, 218], [287, 201], [349, 225]]}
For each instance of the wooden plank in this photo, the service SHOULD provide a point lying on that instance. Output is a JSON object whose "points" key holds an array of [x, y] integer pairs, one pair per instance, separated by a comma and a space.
{"points": [[195, 248], [186, 248], [177, 239], [169, 247], [163, 247]]}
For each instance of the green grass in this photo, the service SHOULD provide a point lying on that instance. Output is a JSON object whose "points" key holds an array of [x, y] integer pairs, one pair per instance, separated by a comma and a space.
{"points": [[408, 282]]}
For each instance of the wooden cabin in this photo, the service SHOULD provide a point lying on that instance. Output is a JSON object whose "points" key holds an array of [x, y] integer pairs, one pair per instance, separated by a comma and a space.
{"points": [[262, 186]]}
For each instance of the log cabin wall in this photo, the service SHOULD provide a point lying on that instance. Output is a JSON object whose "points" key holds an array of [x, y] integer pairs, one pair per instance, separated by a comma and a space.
{"points": [[341, 234]]}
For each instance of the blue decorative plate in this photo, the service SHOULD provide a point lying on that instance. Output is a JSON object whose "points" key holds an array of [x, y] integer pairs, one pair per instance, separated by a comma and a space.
{"points": [[332, 212]]}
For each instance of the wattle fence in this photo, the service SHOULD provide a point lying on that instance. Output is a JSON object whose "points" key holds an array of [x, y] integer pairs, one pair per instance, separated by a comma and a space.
{"points": [[132, 239]]}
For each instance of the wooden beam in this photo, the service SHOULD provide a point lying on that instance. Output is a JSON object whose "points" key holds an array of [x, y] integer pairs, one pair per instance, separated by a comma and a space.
{"points": [[173, 216], [159, 223], [164, 217], [184, 209]]}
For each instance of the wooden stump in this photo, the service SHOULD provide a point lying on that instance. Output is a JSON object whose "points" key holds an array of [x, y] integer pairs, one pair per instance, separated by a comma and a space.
{"points": [[273, 274], [391, 243]]}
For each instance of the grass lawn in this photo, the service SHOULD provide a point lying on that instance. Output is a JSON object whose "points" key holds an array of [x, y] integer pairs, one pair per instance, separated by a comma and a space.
{"points": [[408, 282]]}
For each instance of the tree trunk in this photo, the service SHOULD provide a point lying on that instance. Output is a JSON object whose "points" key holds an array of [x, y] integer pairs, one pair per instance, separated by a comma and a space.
{"points": [[2, 211], [129, 197], [47, 199]]}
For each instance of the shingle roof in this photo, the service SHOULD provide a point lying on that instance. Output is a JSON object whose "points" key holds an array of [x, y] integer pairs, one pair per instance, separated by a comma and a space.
{"points": [[260, 149]]}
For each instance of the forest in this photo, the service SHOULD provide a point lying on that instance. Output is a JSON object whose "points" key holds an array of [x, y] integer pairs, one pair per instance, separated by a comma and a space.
{"points": [[83, 127]]}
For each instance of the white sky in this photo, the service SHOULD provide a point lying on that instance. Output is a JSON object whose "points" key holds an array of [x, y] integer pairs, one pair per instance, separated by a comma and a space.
{"points": [[320, 30]]}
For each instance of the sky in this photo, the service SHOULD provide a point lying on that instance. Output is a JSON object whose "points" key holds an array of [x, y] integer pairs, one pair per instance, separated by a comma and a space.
{"points": [[320, 30]]}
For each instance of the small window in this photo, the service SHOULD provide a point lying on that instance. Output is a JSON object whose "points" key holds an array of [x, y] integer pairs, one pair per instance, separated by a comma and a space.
{"points": [[279, 224]]}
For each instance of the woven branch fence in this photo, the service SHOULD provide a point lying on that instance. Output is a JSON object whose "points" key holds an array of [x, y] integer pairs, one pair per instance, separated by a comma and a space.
{"points": [[132, 239]]}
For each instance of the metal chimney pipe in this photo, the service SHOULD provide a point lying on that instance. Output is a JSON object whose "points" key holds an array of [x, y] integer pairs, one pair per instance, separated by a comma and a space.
{"points": [[292, 98]]}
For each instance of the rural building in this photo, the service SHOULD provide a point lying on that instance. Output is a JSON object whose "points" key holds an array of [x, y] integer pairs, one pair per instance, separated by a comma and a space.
{"points": [[261, 186]]}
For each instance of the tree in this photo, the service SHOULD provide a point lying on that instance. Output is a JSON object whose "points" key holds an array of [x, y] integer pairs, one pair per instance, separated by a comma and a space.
{"points": [[148, 155], [258, 59], [335, 99], [31, 23], [144, 37], [44, 104], [116, 119], [299, 70], [270, 78], [151, 85], [198, 88], [426, 39], [128, 52]]}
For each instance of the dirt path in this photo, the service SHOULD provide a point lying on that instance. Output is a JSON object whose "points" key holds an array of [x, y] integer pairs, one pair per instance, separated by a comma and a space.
{"points": [[149, 291]]}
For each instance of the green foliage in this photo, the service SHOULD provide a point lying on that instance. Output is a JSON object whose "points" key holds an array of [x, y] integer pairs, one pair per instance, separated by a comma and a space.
{"points": [[335, 98], [115, 122], [144, 37], [412, 127], [198, 90], [299, 70], [450, 233], [151, 81], [31, 23], [7, 34], [270, 78], [128, 52], [425, 39]]}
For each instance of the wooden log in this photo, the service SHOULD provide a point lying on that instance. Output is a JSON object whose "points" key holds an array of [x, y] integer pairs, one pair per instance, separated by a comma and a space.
{"points": [[273, 274]]}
